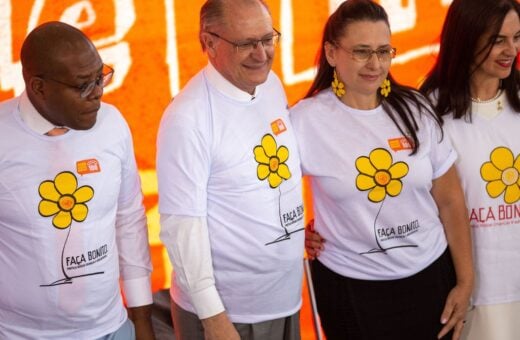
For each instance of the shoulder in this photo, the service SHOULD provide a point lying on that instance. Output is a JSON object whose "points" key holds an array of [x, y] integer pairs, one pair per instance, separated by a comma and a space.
{"points": [[109, 109], [272, 89], [9, 117], [7, 106], [108, 113], [420, 106], [311, 113], [433, 96], [191, 102], [111, 124], [414, 96], [311, 104], [273, 79]]}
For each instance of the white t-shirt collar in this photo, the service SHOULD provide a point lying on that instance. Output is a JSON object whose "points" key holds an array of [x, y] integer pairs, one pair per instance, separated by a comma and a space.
{"points": [[224, 86], [34, 120], [489, 109]]}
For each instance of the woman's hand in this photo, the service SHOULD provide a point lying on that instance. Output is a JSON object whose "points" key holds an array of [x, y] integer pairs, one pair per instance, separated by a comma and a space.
{"points": [[454, 313]]}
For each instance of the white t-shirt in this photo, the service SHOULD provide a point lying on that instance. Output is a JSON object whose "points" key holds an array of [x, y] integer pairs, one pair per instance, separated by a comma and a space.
{"points": [[373, 232], [491, 138], [214, 151], [71, 221]]}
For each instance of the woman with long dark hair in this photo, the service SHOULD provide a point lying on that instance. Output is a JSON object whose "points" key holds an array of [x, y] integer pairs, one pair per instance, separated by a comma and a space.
{"points": [[475, 85], [386, 195]]}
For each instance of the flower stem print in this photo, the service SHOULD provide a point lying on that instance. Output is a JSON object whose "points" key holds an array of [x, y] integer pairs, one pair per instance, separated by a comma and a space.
{"points": [[287, 234], [382, 178], [271, 165], [63, 199], [502, 173]]}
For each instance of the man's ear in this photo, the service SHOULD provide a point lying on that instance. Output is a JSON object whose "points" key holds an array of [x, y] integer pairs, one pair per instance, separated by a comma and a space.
{"points": [[36, 86], [209, 43]]}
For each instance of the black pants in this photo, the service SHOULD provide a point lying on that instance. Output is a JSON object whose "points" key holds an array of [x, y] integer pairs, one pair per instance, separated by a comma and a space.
{"points": [[404, 309]]}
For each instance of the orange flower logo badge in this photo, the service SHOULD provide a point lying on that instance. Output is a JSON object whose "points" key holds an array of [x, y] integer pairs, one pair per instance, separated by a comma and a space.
{"points": [[271, 161], [63, 199], [502, 174], [379, 175]]}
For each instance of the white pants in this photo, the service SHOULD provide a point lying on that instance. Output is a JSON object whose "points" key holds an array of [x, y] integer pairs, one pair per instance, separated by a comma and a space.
{"points": [[493, 322]]}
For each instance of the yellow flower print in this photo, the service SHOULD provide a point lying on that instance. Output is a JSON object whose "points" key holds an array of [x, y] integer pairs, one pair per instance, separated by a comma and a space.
{"points": [[502, 174], [63, 199], [271, 161], [379, 175]]}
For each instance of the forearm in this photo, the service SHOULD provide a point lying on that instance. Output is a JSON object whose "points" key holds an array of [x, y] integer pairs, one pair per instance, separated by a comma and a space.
{"points": [[187, 241], [453, 214], [131, 225], [142, 319], [448, 195], [134, 255], [458, 235], [140, 313]]}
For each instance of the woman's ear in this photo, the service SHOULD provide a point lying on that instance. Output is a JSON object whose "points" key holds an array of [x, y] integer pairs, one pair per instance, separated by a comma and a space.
{"points": [[330, 53]]}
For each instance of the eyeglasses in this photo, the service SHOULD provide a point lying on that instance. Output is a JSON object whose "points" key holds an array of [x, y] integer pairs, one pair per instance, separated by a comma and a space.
{"points": [[250, 45], [86, 89], [384, 54]]}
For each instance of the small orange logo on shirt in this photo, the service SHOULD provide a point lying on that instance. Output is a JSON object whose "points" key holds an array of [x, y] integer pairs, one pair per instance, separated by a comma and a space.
{"points": [[87, 166], [278, 126], [400, 143]]}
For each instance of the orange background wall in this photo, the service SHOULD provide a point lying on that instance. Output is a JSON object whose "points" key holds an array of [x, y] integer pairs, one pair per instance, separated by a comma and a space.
{"points": [[153, 46]]}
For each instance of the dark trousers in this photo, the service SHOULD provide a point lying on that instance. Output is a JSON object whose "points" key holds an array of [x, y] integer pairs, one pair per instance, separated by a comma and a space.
{"points": [[403, 309]]}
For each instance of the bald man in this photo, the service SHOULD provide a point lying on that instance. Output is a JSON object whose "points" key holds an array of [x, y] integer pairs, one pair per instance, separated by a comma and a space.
{"points": [[72, 223], [230, 194]]}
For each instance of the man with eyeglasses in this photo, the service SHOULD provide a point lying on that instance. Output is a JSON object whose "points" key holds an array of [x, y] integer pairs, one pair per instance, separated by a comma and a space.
{"points": [[230, 186], [72, 219]]}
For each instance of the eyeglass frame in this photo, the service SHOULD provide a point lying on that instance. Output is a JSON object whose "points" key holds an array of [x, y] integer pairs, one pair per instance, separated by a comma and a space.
{"points": [[392, 50], [86, 88], [250, 45]]}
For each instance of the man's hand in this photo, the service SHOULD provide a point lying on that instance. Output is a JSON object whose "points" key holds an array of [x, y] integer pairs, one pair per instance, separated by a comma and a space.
{"points": [[313, 241], [142, 319], [219, 327]]}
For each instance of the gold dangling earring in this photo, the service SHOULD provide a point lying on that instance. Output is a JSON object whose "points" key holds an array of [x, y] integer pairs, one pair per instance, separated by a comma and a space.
{"points": [[385, 88], [337, 85]]}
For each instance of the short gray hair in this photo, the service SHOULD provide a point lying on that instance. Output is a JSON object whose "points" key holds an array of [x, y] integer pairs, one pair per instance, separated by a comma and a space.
{"points": [[212, 12]]}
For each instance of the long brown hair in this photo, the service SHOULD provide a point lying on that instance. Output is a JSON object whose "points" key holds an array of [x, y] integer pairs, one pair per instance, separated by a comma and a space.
{"points": [[397, 104], [466, 22]]}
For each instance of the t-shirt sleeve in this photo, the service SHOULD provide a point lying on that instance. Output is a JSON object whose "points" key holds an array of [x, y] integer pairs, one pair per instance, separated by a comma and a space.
{"points": [[183, 165], [442, 153], [132, 232], [295, 114]]}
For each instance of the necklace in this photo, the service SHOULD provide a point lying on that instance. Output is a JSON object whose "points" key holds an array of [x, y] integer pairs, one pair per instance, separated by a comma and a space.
{"points": [[497, 95], [480, 101]]}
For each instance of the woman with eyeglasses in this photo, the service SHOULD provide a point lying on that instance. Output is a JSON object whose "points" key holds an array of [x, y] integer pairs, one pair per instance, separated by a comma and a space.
{"points": [[476, 86], [397, 259]]}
